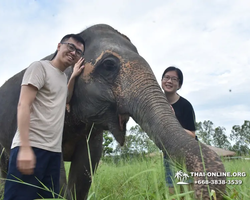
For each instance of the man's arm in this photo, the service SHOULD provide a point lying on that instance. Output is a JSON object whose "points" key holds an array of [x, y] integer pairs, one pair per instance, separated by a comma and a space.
{"points": [[76, 72], [26, 159]]}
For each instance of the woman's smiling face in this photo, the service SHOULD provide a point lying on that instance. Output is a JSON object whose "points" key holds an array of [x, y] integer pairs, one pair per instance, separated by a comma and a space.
{"points": [[170, 82]]}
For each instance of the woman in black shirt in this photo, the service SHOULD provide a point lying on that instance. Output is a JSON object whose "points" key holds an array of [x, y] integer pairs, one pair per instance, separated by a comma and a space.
{"points": [[172, 80]]}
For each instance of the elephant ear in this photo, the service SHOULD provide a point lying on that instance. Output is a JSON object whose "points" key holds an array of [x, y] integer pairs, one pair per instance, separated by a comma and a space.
{"points": [[50, 57]]}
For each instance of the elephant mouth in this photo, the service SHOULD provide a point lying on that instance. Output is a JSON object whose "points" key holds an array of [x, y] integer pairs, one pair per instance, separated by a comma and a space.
{"points": [[118, 127], [123, 119], [109, 119]]}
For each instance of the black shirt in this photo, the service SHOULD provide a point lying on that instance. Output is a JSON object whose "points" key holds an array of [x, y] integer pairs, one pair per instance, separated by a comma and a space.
{"points": [[184, 112]]}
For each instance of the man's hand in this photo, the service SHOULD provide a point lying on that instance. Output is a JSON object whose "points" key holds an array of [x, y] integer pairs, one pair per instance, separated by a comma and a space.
{"points": [[78, 67], [76, 72], [26, 160]]}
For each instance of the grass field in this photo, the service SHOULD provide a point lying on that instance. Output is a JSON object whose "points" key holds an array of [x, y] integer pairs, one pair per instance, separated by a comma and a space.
{"points": [[144, 179]]}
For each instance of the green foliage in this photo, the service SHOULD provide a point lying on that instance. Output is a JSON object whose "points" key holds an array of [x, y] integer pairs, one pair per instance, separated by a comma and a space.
{"points": [[107, 142], [240, 148], [138, 180], [205, 131], [216, 136], [220, 139], [136, 142], [241, 192], [212, 136], [144, 179], [241, 134]]}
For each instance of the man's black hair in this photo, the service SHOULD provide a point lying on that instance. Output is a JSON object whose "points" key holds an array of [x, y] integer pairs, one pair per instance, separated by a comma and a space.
{"points": [[76, 37]]}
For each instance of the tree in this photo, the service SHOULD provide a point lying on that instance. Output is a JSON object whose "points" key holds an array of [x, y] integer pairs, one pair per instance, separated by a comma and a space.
{"points": [[143, 143], [205, 131], [240, 149], [241, 134], [212, 136], [220, 139], [107, 142], [136, 142], [128, 148]]}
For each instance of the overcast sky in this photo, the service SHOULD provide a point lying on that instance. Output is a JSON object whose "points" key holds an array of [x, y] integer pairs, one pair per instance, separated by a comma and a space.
{"points": [[208, 40]]}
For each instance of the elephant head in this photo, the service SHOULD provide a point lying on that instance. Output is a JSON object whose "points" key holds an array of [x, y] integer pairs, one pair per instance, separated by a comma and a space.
{"points": [[117, 83]]}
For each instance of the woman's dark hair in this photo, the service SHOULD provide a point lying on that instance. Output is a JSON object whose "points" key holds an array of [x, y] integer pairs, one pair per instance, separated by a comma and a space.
{"points": [[178, 71]]}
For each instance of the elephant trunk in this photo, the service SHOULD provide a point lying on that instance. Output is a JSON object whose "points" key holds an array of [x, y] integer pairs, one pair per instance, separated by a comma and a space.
{"points": [[149, 107]]}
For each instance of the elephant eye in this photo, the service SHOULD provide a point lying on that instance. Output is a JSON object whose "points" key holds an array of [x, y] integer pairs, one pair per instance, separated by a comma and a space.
{"points": [[108, 68], [109, 64]]}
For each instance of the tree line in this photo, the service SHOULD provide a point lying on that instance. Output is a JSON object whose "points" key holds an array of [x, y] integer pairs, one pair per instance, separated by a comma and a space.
{"points": [[238, 140], [138, 142]]}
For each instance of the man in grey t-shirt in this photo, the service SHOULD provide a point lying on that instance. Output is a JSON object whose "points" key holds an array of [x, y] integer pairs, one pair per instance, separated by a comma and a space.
{"points": [[36, 147]]}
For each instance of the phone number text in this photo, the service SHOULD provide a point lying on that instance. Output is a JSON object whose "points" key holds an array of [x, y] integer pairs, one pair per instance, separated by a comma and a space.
{"points": [[218, 182]]}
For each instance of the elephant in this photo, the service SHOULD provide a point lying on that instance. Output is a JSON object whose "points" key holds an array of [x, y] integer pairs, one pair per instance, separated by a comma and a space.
{"points": [[116, 84]]}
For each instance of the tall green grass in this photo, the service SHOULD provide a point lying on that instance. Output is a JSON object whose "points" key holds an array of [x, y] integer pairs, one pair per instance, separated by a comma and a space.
{"points": [[144, 179], [241, 192]]}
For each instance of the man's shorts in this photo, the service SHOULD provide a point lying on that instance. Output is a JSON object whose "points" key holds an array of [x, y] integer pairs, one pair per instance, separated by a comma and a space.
{"points": [[28, 187]]}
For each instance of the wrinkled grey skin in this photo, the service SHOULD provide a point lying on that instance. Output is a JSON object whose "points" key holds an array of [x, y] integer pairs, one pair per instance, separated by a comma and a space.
{"points": [[115, 84]]}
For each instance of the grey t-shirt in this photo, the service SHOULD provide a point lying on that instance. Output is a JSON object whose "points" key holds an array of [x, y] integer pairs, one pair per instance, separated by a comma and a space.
{"points": [[48, 108]]}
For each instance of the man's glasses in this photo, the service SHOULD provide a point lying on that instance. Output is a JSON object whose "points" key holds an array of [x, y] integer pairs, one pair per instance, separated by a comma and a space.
{"points": [[71, 47], [173, 78]]}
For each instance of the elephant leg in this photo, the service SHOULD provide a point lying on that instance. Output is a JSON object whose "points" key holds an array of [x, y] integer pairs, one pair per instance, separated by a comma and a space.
{"points": [[80, 175], [64, 191]]}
